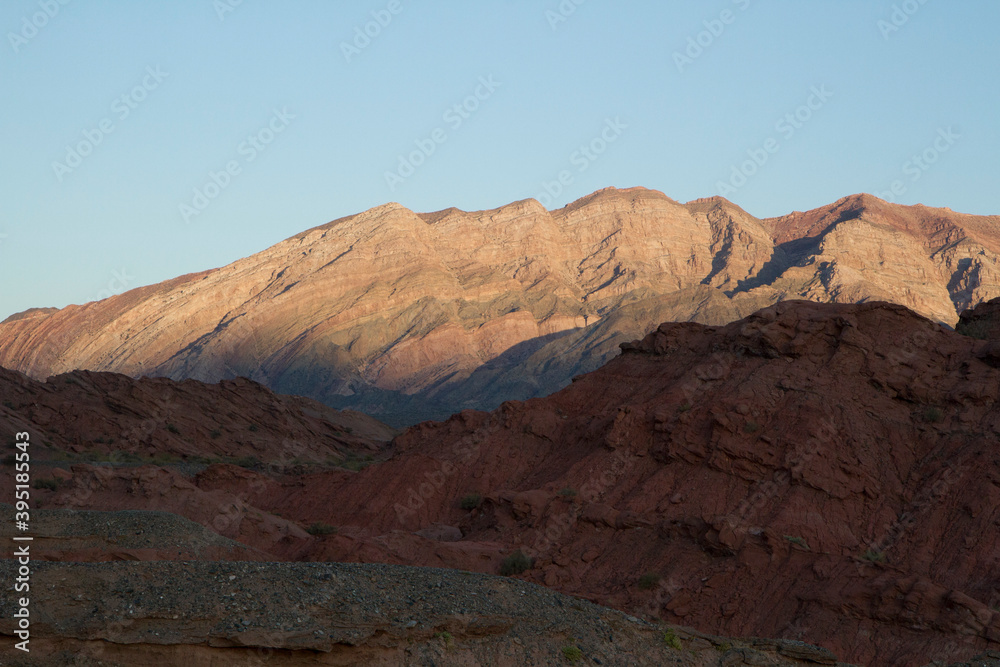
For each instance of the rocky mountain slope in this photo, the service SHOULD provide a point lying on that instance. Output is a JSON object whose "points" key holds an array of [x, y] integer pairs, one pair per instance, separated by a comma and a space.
{"points": [[412, 316], [819, 472], [336, 614]]}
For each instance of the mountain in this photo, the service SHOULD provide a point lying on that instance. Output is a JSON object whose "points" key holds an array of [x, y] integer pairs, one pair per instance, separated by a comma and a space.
{"points": [[827, 473], [410, 316]]}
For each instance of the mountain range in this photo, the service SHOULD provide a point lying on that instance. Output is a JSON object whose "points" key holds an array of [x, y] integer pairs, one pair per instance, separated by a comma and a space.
{"points": [[408, 316]]}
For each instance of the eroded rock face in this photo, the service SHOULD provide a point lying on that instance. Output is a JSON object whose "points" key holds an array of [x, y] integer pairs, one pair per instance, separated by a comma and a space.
{"points": [[112, 417], [823, 472], [819, 472], [412, 316]]}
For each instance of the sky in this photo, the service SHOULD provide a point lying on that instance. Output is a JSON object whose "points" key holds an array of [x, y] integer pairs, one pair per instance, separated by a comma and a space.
{"points": [[145, 140]]}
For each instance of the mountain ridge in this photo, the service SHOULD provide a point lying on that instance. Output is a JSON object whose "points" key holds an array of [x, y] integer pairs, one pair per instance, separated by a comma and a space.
{"points": [[412, 316]]}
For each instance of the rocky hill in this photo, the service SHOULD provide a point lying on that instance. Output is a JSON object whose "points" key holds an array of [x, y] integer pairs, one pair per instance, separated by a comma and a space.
{"points": [[827, 473], [412, 316], [224, 614]]}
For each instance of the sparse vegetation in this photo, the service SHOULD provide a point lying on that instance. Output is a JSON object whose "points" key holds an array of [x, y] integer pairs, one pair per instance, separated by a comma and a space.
{"points": [[516, 563], [723, 647], [354, 462], [320, 528], [672, 640], [751, 427], [568, 492], [9, 405], [248, 462], [975, 329], [253, 428], [648, 581], [933, 414], [46, 483], [572, 653], [873, 556], [215, 434], [470, 501], [444, 636], [173, 429], [684, 407], [797, 540]]}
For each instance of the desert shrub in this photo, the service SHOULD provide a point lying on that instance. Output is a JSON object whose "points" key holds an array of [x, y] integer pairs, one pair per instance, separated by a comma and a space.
{"points": [[46, 483], [873, 556], [173, 429], [567, 492], [215, 433], [648, 581], [933, 414], [470, 501], [672, 640], [572, 653], [444, 636], [253, 428], [516, 563], [797, 540], [684, 407], [249, 462], [353, 462], [751, 427], [975, 329], [320, 528]]}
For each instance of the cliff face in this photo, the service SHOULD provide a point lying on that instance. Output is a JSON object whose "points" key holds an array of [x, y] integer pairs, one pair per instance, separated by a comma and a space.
{"points": [[412, 316], [819, 472]]}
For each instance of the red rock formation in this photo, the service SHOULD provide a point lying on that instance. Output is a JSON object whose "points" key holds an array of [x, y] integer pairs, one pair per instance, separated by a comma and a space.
{"points": [[829, 473], [820, 472]]}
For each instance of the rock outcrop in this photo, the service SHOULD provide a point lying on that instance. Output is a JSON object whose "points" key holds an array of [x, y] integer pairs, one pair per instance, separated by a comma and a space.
{"points": [[828, 473], [412, 316]]}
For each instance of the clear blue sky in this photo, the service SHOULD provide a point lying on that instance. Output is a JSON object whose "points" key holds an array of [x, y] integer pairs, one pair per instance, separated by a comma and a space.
{"points": [[113, 219]]}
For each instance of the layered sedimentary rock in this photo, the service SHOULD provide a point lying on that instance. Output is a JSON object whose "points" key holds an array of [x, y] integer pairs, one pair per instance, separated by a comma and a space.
{"points": [[819, 472], [412, 316]]}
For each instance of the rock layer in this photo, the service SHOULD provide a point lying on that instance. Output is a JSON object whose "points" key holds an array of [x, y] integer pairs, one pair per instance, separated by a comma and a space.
{"points": [[819, 472], [412, 316]]}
